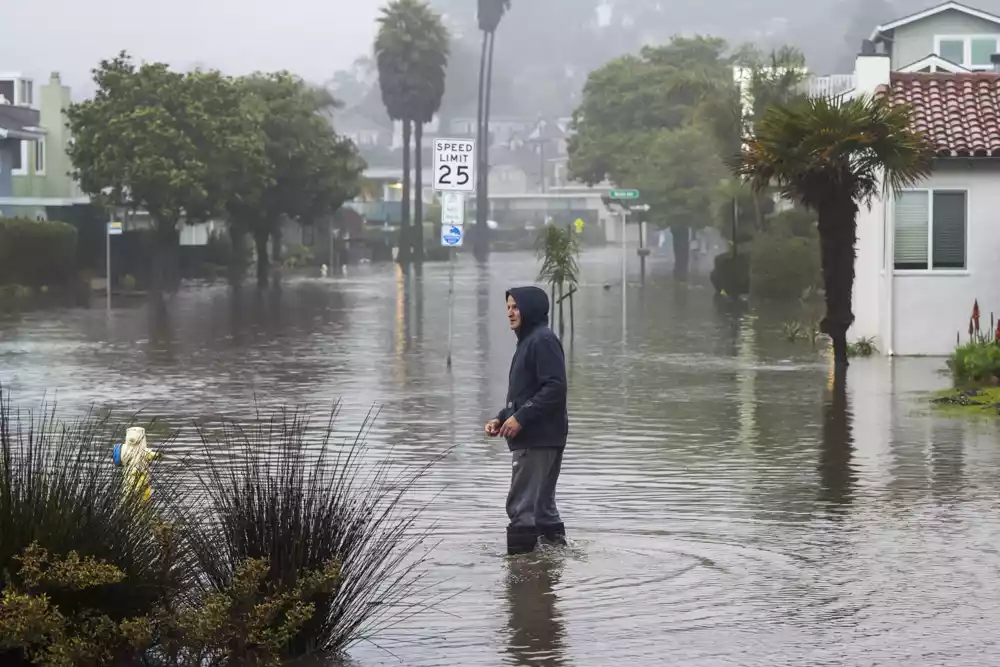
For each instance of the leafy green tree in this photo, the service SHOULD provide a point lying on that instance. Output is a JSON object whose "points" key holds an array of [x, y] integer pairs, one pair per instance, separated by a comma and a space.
{"points": [[630, 110], [309, 171], [411, 53], [175, 145], [832, 158]]}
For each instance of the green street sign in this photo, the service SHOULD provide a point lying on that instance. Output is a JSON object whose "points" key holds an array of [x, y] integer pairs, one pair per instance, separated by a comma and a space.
{"points": [[624, 194]]}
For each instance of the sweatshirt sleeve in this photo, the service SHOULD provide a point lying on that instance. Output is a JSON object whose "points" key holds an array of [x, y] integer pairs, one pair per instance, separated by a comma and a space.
{"points": [[550, 369]]}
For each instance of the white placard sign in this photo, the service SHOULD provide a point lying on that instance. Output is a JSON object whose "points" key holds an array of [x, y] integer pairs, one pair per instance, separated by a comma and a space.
{"points": [[455, 165], [452, 208]]}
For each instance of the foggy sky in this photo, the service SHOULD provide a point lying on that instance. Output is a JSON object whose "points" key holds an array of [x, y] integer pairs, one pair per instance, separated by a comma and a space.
{"points": [[313, 38]]}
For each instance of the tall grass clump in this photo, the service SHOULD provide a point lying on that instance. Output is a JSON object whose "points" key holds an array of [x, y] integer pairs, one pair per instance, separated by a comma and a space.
{"points": [[283, 492], [59, 491]]}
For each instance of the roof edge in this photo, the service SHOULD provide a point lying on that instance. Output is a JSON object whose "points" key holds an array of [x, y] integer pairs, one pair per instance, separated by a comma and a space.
{"points": [[932, 11]]}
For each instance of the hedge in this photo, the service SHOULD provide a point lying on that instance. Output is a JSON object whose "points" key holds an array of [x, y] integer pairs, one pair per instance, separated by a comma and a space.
{"points": [[36, 253]]}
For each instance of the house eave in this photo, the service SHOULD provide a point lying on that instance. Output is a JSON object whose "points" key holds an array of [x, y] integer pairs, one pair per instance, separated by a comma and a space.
{"points": [[43, 201], [933, 11]]}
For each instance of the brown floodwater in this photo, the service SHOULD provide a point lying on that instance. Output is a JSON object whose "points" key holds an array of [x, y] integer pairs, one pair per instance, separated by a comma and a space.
{"points": [[725, 507]]}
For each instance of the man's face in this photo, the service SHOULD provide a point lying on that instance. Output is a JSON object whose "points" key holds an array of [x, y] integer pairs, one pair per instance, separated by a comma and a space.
{"points": [[513, 314]]}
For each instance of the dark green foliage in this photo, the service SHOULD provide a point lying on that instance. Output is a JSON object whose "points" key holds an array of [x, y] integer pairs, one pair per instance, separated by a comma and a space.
{"points": [[36, 253], [782, 266], [976, 362], [731, 274]]}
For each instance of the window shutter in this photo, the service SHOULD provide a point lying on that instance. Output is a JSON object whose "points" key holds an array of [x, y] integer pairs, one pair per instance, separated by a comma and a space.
{"points": [[949, 230], [911, 230]]}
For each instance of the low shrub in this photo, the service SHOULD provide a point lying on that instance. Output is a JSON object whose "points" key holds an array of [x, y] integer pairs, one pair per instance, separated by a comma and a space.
{"points": [[289, 546], [36, 253], [976, 362], [784, 267], [299, 503], [731, 274]]}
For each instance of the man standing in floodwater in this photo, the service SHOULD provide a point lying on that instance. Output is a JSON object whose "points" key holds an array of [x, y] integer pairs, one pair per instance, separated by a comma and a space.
{"points": [[535, 423]]}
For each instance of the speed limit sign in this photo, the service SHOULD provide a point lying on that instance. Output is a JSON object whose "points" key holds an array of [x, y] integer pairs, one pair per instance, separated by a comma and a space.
{"points": [[455, 165]]}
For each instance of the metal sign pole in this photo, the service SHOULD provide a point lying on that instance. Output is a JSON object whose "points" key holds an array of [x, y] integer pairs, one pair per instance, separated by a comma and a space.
{"points": [[624, 274], [451, 300], [107, 263]]}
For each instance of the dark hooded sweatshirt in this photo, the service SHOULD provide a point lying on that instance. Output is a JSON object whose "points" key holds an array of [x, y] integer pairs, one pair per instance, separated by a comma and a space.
{"points": [[536, 392]]}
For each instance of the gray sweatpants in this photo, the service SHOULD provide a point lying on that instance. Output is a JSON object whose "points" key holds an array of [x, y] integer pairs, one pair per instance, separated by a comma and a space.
{"points": [[533, 477]]}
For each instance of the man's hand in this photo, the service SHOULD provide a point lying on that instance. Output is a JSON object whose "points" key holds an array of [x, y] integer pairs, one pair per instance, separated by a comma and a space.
{"points": [[510, 429], [492, 428]]}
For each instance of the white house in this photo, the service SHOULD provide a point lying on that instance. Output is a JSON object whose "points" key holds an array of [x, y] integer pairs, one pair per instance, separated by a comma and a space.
{"points": [[925, 255]]}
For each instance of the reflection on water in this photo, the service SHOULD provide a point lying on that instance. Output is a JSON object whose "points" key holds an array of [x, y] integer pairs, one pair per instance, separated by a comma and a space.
{"points": [[537, 634], [726, 506]]}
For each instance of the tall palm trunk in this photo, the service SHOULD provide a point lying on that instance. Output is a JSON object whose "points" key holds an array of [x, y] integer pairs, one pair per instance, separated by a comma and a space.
{"points": [[484, 168], [404, 225], [480, 243], [276, 254], [418, 194], [837, 236]]}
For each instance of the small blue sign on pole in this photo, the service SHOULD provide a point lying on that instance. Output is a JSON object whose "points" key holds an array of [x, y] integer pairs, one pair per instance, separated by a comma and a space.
{"points": [[451, 236]]}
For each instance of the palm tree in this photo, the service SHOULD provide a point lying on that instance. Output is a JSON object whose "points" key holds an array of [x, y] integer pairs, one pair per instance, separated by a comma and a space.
{"points": [[430, 58], [411, 53], [490, 14], [832, 157]]}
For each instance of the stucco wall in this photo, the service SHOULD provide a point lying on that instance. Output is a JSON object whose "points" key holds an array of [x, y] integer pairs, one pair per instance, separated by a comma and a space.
{"points": [[931, 308], [915, 41], [7, 148]]}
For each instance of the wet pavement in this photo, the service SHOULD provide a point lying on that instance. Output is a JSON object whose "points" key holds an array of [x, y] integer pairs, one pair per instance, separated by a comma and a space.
{"points": [[725, 506]]}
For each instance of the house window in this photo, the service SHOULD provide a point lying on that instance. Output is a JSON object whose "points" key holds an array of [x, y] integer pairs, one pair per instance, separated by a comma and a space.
{"points": [[7, 92], [931, 230], [40, 157], [971, 51], [27, 93], [17, 166]]}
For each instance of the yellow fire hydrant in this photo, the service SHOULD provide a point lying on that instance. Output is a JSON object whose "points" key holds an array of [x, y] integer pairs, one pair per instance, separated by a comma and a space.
{"points": [[136, 456]]}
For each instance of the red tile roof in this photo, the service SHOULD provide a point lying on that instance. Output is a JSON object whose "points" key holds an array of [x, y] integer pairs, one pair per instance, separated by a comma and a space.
{"points": [[959, 113]]}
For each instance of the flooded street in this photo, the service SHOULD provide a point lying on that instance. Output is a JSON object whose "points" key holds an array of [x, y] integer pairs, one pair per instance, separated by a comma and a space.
{"points": [[724, 508]]}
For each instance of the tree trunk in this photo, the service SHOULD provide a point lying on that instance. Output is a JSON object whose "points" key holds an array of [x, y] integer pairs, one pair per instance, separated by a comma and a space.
{"points": [[276, 252], [837, 236], [562, 324], [263, 261], [404, 226], [552, 309], [418, 194], [572, 316], [481, 211], [682, 251], [165, 241], [236, 266]]}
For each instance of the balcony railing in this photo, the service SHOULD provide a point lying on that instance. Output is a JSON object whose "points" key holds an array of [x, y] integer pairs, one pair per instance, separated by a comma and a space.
{"points": [[830, 85]]}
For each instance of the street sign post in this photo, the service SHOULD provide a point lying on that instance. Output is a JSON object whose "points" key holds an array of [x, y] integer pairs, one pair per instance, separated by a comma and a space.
{"points": [[624, 194], [114, 229], [454, 165], [451, 237]]}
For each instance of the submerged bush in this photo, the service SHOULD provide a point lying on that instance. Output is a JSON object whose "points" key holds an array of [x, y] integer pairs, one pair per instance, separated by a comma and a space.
{"points": [[784, 267], [731, 274], [36, 252]]}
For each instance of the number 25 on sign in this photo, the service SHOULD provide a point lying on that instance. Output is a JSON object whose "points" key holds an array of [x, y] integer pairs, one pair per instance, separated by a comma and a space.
{"points": [[454, 165]]}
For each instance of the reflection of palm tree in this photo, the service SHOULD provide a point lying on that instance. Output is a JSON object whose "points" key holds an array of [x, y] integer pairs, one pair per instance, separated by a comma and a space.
{"points": [[836, 475], [537, 633]]}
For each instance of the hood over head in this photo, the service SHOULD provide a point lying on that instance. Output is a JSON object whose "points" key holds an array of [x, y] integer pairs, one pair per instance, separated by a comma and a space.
{"points": [[533, 303]]}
